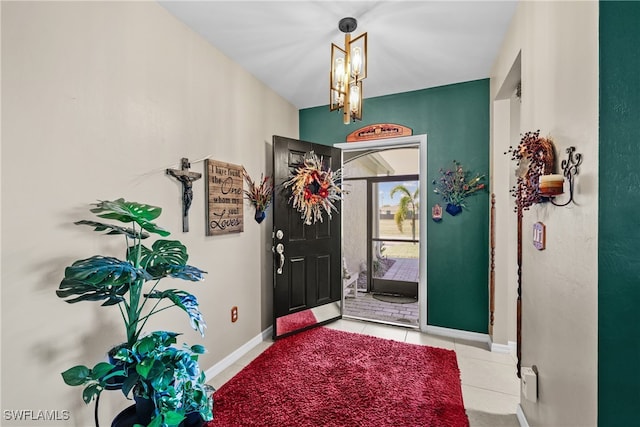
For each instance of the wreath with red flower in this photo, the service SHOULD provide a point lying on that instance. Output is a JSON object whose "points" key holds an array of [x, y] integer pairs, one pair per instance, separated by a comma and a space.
{"points": [[314, 190]]}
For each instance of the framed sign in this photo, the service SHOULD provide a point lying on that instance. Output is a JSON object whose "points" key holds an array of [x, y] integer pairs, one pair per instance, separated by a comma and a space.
{"points": [[224, 198]]}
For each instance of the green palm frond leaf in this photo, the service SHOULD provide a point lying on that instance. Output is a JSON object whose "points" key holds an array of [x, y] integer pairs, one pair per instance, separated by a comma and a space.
{"points": [[398, 218], [99, 279], [113, 229], [77, 375], [184, 272], [198, 349], [123, 211], [162, 252], [407, 205], [405, 201], [90, 391], [400, 189], [187, 302]]}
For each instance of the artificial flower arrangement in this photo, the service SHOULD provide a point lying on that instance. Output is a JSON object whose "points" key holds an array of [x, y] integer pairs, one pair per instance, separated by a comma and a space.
{"points": [[314, 190], [534, 157], [455, 185], [260, 195]]}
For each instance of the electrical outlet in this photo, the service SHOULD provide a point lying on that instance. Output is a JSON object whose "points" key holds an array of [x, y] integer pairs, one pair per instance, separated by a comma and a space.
{"points": [[234, 314]]}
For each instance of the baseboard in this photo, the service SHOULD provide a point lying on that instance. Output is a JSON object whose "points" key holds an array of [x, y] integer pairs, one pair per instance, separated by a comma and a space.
{"points": [[238, 353], [521, 418], [510, 347], [500, 348], [458, 333], [267, 333]]}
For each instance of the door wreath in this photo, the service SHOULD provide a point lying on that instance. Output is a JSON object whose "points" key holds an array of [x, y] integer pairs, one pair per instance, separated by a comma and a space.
{"points": [[314, 190]]}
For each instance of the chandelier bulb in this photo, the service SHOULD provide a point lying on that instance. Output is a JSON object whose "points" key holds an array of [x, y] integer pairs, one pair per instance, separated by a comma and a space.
{"points": [[339, 72], [354, 99], [356, 61]]}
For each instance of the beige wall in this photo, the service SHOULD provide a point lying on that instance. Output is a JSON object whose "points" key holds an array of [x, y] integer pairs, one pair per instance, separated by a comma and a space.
{"points": [[558, 43], [98, 99]]}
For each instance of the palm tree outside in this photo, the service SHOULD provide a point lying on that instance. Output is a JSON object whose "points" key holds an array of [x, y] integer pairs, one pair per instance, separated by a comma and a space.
{"points": [[408, 206]]}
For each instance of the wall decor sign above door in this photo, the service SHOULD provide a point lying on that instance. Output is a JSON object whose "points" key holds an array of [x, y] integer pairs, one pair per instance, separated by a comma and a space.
{"points": [[379, 131], [224, 198]]}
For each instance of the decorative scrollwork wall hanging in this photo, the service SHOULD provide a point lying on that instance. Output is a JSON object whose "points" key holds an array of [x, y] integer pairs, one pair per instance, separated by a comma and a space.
{"points": [[314, 190], [569, 171]]}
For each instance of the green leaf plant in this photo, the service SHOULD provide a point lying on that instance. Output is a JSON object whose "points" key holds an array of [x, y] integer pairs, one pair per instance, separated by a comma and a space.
{"points": [[408, 205], [147, 366]]}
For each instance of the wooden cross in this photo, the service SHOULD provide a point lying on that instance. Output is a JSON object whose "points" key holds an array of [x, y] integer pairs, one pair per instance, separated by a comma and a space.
{"points": [[186, 177]]}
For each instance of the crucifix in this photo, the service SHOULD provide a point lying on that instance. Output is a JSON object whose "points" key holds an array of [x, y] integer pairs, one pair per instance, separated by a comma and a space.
{"points": [[186, 177]]}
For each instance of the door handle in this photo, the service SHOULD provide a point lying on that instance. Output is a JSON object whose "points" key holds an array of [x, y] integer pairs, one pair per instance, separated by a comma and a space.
{"points": [[280, 251]]}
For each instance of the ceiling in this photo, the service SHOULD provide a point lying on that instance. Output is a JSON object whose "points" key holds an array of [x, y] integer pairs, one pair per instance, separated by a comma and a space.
{"points": [[411, 44]]}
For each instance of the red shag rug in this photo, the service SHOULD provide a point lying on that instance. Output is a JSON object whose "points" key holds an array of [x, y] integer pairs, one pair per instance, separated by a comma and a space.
{"points": [[295, 321], [324, 377]]}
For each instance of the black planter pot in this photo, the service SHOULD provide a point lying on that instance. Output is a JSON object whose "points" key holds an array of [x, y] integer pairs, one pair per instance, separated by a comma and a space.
{"points": [[194, 419], [126, 418], [144, 410], [141, 412]]}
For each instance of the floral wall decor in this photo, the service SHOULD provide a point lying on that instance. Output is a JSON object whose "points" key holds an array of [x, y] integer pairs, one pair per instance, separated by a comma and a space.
{"points": [[455, 185], [259, 195], [314, 190], [534, 157]]}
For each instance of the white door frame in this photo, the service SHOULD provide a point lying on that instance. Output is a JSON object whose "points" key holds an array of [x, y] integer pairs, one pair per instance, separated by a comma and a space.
{"points": [[419, 141]]}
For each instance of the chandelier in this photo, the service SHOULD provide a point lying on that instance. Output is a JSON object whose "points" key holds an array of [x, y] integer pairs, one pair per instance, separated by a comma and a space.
{"points": [[348, 69]]}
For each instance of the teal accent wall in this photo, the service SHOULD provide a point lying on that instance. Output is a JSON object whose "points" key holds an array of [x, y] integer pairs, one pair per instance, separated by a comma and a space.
{"points": [[619, 219], [456, 121]]}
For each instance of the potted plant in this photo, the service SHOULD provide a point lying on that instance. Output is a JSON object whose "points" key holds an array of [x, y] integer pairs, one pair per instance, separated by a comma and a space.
{"points": [[147, 366], [167, 382]]}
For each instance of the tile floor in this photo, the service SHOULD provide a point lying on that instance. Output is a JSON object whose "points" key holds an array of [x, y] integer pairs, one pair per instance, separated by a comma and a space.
{"points": [[404, 269], [365, 306], [490, 388]]}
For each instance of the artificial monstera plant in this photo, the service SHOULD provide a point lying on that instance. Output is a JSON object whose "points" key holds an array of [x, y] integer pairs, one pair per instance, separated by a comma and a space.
{"points": [[145, 364]]}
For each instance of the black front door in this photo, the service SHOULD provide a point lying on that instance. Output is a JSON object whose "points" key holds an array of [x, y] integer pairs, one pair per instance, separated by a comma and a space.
{"points": [[307, 258]]}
